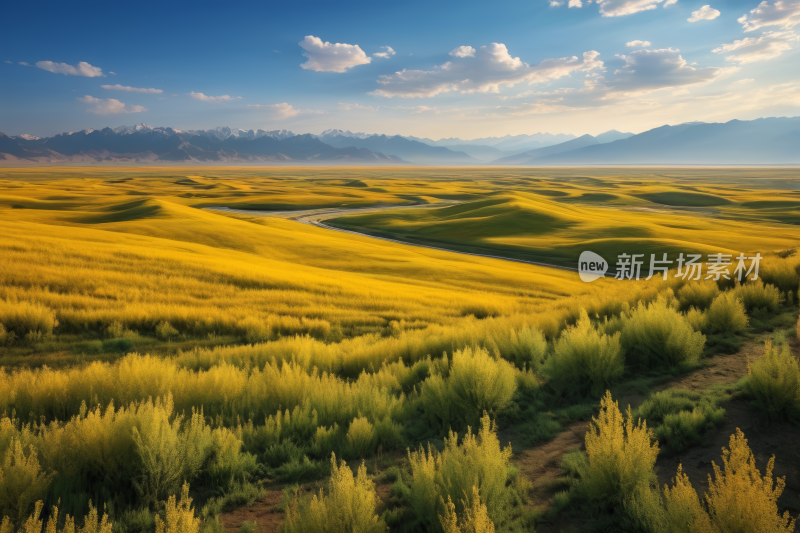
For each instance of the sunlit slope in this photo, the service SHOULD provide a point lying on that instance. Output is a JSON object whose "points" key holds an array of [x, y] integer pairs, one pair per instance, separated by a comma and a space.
{"points": [[547, 228], [150, 260]]}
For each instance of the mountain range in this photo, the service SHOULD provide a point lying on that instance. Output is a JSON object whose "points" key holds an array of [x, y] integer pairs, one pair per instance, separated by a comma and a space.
{"points": [[143, 143], [761, 141]]}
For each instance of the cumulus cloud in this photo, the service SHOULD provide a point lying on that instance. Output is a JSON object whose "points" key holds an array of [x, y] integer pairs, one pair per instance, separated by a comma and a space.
{"points": [[491, 67], [223, 98], [24, 64], [126, 88], [463, 51], [618, 8], [388, 52], [556, 3], [786, 15], [83, 69], [638, 44], [704, 13], [331, 57], [670, 3], [109, 106], [575, 3], [750, 49], [644, 72]]}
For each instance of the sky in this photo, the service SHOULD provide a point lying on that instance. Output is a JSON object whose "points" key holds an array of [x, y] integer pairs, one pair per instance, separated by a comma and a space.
{"points": [[429, 69]]}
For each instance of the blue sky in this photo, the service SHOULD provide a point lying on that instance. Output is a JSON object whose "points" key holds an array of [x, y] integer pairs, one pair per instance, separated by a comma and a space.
{"points": [[463, 69]]}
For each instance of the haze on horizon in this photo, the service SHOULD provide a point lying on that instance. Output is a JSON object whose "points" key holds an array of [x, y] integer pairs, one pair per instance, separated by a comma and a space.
{"points": [[433, 70]]}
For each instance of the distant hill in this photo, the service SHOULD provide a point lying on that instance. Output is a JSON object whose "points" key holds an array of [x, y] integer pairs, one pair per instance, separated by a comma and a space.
{"points": [[505, 143], [413, 151], [527, 158], [760, 141], [144, 143]]}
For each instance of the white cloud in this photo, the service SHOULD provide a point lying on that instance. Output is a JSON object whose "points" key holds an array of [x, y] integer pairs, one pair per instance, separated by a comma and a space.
{"points": [[112, 73], [750, 49], [744, 81], [491, 67], [223, 98], [618, 8], [109, 106], [556, 3], [24, 64], [9, 62], [670, 3], [119, 87], [386, 54], [638, 44], [356, 107], [331, 57], [644, 72], [704, 13], [783, 14], [463, 51], [575, 3], [83, 69]]}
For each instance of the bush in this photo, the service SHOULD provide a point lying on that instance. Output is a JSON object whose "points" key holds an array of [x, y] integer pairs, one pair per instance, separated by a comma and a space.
{"points": [[774, 383], [475, 519], [164, 330], [584, 361], [657, 335], [91, 523], [782, 274], [22, 481], [117, 345], [525, 348], [621, 458], [739, 498], [726, 314], [349, 505], [88, 347], [756, 295], [24, 318], [681, 417], [360, 437], [477, 382], [697, 294], [478, 462], [179, 516], [697, 319], [6, 337]]}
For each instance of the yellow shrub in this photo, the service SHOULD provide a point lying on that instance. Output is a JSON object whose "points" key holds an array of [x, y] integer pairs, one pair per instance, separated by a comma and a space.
{"points": [[92, 522], [697, 294], [475, 520], [478, 461], [22, 481], [620, 454], [360, 437], [684, 510], [348, 506], [726, 314], [774, 382], [740, 498], [477, 382], [585, 361], [180, 516], [23, 318]]}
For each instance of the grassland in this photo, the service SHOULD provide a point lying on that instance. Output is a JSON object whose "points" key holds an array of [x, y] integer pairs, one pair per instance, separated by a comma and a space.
{"points": [[147, 342]]}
